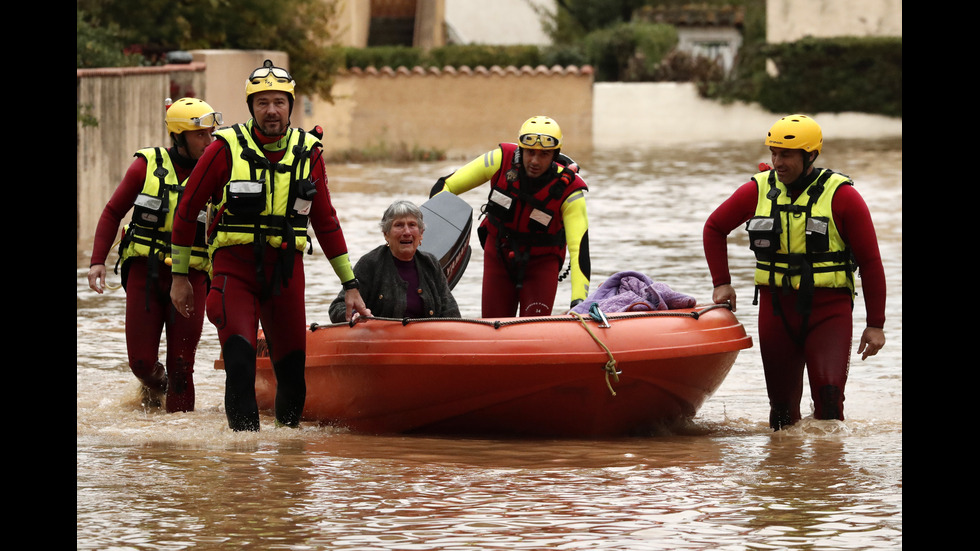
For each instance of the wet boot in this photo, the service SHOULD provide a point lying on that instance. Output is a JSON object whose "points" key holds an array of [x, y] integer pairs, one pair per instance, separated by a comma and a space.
{"points": [[290, 388], [830, 404], [780, 417], [240, 405], [153, 384], [180, 387]]}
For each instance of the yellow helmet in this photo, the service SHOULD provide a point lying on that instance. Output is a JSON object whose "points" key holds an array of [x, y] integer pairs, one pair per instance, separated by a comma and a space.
{"points": [[540, 132], [188, 114], [269, 77], [796, 132]]}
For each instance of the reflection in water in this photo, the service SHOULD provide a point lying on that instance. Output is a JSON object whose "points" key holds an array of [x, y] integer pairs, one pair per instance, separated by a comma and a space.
{"points": [[180, 481]]}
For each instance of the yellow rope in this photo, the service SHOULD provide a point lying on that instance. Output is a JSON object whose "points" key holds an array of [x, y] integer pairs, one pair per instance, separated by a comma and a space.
{"points": [[610, 367]]}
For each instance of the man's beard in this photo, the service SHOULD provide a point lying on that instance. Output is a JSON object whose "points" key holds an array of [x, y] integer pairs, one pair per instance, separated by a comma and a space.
{"points": [[278, 124]]}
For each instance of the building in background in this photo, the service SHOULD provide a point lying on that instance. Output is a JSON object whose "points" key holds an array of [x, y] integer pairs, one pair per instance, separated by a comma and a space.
{"points": [[503, 22], [791, 20], [433, 23], [713, 32]]}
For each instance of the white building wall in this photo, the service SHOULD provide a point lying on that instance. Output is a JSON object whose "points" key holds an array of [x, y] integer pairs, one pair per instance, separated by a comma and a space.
{"points": [[500, 22], [648, 114], [791, 20]]}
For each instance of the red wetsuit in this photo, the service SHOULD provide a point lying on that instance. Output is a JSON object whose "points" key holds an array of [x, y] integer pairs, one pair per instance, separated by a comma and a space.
{"points": [[826, 347], [237, 303], [148, 309]]}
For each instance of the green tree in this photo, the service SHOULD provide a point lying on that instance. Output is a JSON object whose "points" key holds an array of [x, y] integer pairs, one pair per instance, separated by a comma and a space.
{"points": [[100, 45], [580, 17], [611, 36], [154, 27], [629, 52]]}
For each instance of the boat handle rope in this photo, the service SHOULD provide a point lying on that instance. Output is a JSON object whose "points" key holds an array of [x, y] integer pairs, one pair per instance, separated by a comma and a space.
{"points": [[497, 324], [610, 367]]}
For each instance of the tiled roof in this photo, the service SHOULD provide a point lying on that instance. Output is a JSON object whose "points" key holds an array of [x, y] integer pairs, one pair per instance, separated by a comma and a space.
{"points": [[194, 66], [464, 70], [693, 15]]}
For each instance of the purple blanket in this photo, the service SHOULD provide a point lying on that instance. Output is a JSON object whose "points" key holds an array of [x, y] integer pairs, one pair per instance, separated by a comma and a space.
{"points": [[633, 291]]}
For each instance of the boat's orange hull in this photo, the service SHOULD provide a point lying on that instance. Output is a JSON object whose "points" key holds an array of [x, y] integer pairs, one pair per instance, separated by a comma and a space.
{"points": [[527, 376]]}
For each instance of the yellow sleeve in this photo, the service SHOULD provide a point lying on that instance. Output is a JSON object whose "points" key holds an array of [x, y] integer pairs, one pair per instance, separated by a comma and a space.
{"points": [[576, 220], [341, 267], [475, 173], [180, 258]]}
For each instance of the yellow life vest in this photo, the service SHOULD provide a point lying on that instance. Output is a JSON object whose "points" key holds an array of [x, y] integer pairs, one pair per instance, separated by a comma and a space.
{"points": [[796, 243], [148, 233], [265, 201]]}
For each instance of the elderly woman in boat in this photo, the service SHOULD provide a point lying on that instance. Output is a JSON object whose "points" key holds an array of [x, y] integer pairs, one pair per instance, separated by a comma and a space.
{"points": [[396, 279]]}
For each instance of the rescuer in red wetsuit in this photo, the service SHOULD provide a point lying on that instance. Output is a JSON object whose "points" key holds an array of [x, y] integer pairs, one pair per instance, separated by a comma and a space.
{"points": [[534, 211], [151, 187], [267, 184], [810, 229]]}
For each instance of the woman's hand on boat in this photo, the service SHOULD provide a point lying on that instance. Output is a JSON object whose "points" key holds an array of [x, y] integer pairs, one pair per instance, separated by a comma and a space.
{"points": [[182, 295], [356, 318], [724, 293], [872, 340]]}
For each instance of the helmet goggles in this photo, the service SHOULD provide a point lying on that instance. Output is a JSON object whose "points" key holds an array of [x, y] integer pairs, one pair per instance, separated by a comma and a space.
{"points": [[278, 73], [269, 78], [545, 140], [204, 121]]}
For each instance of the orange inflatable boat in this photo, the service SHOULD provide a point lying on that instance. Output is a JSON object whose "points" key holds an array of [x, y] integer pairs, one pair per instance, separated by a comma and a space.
{"points": [[558, 376]]}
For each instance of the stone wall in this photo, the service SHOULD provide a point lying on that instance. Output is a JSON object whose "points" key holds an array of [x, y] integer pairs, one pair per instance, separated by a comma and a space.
{"points": [[128, 104], [461, 112]]}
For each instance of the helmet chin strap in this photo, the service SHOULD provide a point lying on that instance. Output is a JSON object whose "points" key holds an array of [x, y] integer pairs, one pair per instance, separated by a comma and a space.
{"points": [[180, 142], [807, 164]]}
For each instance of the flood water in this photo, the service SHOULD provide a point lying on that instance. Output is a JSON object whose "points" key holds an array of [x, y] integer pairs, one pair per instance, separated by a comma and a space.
{"points": [[151, 480]]}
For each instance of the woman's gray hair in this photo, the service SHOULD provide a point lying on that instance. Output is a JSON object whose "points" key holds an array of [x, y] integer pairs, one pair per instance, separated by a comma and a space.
{"points": [[397, 210]]}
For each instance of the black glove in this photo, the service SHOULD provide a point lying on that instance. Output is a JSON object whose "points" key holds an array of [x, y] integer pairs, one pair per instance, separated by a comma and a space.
{"points": [[439, 186], [575, 303]]}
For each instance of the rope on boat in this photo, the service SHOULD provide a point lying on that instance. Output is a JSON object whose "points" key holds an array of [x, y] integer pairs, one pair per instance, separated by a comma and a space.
{"points": [[610, 367], [497, 324]]}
